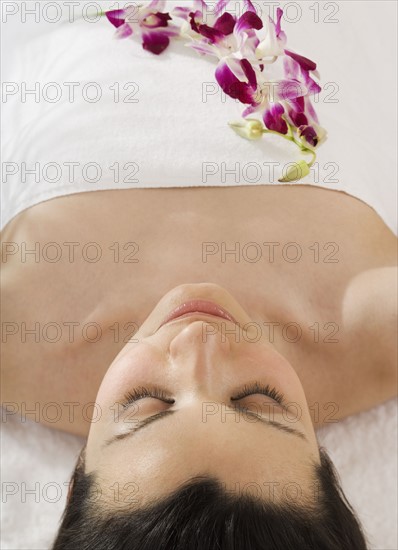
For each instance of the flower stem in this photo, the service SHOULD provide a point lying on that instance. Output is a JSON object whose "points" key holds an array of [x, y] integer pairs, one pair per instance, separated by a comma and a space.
{"points": [[290, 137], [305, 150]]}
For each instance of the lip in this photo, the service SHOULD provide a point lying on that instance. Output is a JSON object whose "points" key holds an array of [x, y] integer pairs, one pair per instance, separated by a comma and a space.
{"points": [[199, 307]]}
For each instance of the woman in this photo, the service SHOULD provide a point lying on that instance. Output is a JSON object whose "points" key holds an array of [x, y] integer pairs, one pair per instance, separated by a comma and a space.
{"points": [[212, 327]]}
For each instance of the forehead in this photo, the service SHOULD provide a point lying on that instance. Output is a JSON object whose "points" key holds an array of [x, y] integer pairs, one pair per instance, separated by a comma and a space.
{"points": [[244, 457]]}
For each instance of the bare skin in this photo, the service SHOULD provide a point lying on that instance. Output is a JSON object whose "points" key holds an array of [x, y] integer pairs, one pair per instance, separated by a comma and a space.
{"points": [[344, 287]]}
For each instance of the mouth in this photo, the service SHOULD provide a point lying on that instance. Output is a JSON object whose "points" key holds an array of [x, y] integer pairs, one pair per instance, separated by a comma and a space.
{"points": [[199, 307]]}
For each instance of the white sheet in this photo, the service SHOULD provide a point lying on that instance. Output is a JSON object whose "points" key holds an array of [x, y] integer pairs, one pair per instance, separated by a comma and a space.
{"points": [[363, 447]]}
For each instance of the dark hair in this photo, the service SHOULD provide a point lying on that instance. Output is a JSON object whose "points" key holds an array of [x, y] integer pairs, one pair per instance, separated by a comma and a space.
{"points": [[200, 515]]}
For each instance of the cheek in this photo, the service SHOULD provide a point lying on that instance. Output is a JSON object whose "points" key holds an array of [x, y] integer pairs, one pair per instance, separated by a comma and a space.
{"points": [[263, 360], [128, 370], [264, 356]]}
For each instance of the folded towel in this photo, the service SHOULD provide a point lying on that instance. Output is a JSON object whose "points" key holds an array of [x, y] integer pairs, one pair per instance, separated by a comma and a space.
{"points": [[135, 119]]}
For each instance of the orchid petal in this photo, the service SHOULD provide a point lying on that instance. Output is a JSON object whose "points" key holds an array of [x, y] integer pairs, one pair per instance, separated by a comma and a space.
{"points": [[279, 34], [178, 11], [279, 13], [316, 74], [231, 85], [309, 135], [157, 5], [294, 70], [290, 89], [248, 20], [200, 5], [298, 119], [297, 104], [270, 46], [192, 21], [248, 6], [273, 118], [321, 133], [310, 109], [313, 87], [249, 72], [116, 17], [156, 20], [251, 109], [202, 48], [169, 31], [304, 62], [212, 34], [155, 42], [124, 31], [225, 24], [221, 4], [291, 68], [247, 45]]}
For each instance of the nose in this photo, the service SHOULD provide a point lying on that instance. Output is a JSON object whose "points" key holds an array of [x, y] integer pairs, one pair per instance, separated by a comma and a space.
{"points": [[202, 350]]}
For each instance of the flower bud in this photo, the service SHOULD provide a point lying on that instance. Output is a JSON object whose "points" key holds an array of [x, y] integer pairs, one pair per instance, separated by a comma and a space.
{"points": [[250, 128], [296, 171]]}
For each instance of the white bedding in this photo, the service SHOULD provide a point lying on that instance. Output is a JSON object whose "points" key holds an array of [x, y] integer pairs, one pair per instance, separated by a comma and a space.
{"points": [[176, 134], [363, 447]]}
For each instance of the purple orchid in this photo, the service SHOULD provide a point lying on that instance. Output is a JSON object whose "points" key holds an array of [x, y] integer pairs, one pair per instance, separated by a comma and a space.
{"points": [[227, 38], [289, 103], [218, 35], [275, 40], [234, 41], [272, 81], [149, 21], [273, 118]]}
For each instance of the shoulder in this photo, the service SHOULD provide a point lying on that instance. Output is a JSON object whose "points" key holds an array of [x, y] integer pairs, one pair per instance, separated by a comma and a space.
{"points": [[371, 311]]}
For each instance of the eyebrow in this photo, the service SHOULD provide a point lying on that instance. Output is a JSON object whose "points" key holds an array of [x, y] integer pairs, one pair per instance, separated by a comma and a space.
{"points": [[143, 423]]}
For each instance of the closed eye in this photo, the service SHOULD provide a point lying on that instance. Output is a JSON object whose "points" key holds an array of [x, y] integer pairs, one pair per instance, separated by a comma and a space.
{"points": [[163, 395], [157, 392], [258, 388], [141, 392]]}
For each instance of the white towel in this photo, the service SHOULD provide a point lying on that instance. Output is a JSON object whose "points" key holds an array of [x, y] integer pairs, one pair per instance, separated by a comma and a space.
{"points": [[177, 133]]}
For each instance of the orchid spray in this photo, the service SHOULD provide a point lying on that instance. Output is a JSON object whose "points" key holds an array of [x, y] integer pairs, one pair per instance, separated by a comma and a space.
{"points": [[253, 66]]}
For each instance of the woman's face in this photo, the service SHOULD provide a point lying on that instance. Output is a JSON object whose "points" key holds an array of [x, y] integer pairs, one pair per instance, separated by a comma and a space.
{"points": [[198, 423]]}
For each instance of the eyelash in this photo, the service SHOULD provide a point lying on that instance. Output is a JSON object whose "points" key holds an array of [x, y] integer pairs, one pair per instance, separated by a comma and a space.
{"points": [[142, 391], [157, 393], [257, 387]]}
